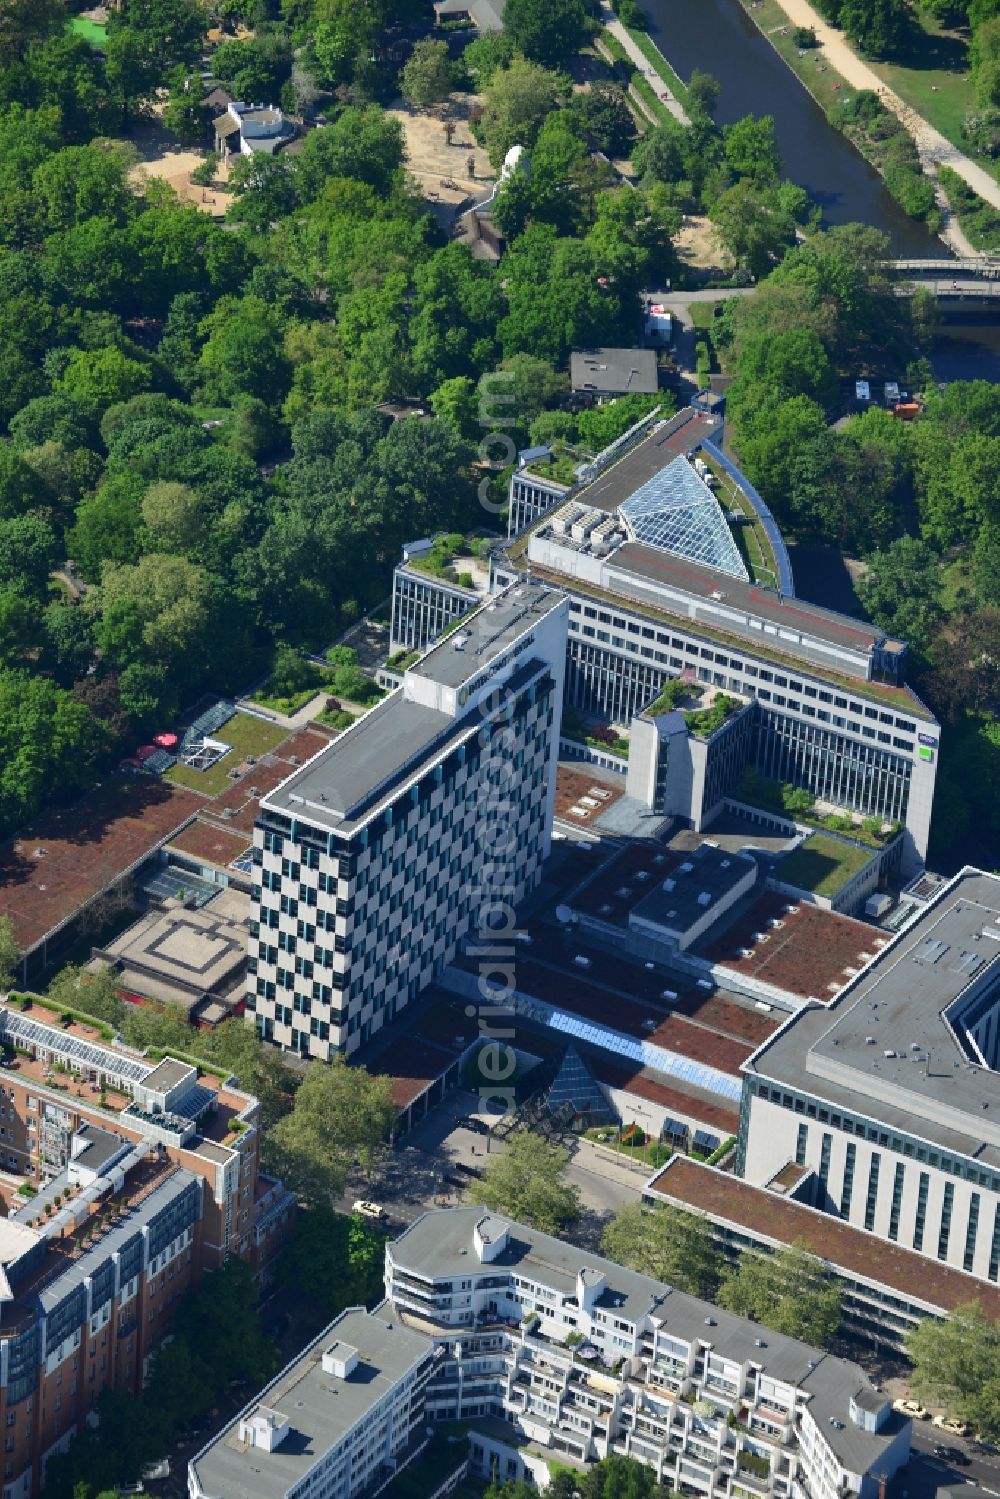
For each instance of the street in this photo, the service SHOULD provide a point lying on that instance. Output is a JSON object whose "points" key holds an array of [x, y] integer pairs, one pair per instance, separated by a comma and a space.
{"points": [[926, 1476], [431, 1166]]}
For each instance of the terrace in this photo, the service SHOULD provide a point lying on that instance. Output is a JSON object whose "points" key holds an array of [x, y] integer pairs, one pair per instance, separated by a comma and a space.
{"points": [[245, 740]]}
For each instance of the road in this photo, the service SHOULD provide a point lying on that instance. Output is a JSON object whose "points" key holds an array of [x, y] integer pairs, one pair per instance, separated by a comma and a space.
{"points": [[927, 1476], [431, 1167]]}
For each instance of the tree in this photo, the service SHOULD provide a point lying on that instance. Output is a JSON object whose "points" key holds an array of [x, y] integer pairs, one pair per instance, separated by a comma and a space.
{"points": [[184, 115], [751, 149], [156, 611], [900, 589], [666, 1243], [337, 1260], [526, 1183], [98, 379], [605, 118], [789, 1290], [10, 953], [342, 1117], [753, 226], [956, 1363], [174, 516], [48, 742], [546, 31], [74, 988], [25, 21], [366, 144], [965, 667], [426, 77], [455, 401], [702, 93], [265, 190], [516, 102], [876, 27]]}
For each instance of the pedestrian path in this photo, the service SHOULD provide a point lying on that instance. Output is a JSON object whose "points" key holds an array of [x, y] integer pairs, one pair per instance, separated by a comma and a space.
{"points": [[636, 55], [933, 148]]}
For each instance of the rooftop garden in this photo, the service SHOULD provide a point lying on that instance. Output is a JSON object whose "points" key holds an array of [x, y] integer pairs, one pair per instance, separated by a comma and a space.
{"points": [[822, 865], [597, 735], [401, 660], [294, 680], [703, 722], [673, 694], [439, 562], [799, 805], [560, 465], [246, 736]]}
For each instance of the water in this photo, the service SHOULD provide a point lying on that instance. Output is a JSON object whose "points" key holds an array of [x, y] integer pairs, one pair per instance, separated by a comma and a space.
{"points": [[967, 351], [719, 37]]}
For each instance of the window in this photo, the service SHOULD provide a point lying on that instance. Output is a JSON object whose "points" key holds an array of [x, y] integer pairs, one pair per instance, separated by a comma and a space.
{"points": [[897, 1198], [800, 1145], [945, 1230], [970, 1232], [873, 1173], [921, 1218]]}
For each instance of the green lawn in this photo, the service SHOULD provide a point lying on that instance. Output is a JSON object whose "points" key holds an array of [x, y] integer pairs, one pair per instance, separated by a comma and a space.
{"points": [[821, 864], [652, 53], [934, 79], [91, 31], [248, 736]]}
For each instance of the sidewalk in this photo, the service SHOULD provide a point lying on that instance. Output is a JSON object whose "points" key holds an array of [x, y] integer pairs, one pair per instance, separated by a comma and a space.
{"points": [[611, 23], [934, 149]]}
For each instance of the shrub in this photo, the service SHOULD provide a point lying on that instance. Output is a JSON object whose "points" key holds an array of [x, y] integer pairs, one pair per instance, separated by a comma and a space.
{"points": [[804, 36]]}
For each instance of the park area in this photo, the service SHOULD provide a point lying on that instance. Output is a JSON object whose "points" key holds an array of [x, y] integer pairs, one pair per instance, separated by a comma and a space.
{"points": [[822, 865], [93, 31]]}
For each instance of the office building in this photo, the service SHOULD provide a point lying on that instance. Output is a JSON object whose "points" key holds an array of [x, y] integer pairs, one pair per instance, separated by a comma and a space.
{"points": [[376, 857], [676, 569], [667, 582], [888, 1098], [885, 1294], [338, 1421], [138, 1176], [553, 1354]]}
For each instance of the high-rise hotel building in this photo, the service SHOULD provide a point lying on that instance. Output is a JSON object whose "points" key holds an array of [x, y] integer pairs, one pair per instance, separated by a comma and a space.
{"points": [[375, 858]]}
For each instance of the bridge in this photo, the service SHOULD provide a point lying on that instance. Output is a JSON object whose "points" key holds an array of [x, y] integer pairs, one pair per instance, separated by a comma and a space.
{"points": [[952, 280]]}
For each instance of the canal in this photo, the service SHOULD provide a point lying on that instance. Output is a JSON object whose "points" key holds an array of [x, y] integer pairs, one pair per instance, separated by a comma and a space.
{"points": [[719, 37]]}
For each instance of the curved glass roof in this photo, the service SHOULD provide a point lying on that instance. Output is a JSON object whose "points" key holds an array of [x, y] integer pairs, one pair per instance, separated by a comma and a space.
{"points": [[676, 511]]}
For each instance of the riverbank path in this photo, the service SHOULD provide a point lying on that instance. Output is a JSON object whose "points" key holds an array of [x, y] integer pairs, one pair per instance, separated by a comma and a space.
{"points": [[933, 148], [635, 54]]}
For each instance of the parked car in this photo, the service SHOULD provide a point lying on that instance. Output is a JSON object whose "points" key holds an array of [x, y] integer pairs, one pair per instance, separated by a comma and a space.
{"points": [[910, 1408], [155, 1471], [130, 1488], [369, 1210], [948, 1423], [951, 1455]]}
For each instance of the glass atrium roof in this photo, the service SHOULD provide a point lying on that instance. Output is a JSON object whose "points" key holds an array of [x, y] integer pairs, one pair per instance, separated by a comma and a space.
{"points": [[676, 511]]}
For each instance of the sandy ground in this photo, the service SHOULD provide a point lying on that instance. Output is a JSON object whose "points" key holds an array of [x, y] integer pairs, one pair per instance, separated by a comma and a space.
{"points": [[160, 156], [934, 149], [698, 245], [440, 169]]}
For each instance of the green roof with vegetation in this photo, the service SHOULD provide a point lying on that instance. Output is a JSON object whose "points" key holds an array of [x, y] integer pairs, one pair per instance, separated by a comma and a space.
{"points": [[822, 864]]}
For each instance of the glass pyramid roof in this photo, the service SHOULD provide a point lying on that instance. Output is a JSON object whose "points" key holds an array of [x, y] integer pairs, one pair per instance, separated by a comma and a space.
{"points": [[574, 1085], [676, 511]]}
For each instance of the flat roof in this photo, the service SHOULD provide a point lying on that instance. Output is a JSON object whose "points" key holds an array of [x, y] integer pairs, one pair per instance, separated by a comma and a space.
{"points": [[698, 881], [320, 1408], [485, 634], [792, 613], [812, 955], [619, 370], [195, 949], [779, 1220], [667, 440], [66, 857], [100, 1147], [632, 881], [349, 777], [167, 1074], [891, 1047]]}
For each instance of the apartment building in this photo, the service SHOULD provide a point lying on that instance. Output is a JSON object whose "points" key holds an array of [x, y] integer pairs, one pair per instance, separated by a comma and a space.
{"points": [[888, 1099], [375, 858], [337, 1421], [136, 1176], [554, 1353]]}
